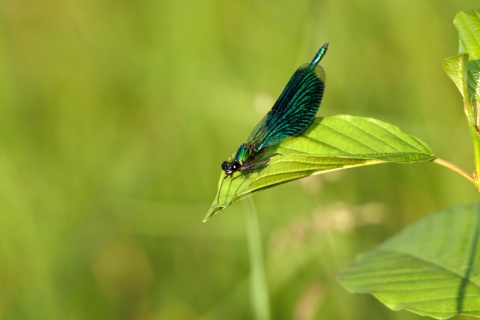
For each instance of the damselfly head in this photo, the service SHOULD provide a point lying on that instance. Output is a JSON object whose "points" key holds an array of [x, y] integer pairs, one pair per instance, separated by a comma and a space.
{"points": [[231, 167]]}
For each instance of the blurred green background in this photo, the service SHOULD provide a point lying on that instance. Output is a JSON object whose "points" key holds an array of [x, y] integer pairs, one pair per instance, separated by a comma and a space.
{"points": [[116, 116]]}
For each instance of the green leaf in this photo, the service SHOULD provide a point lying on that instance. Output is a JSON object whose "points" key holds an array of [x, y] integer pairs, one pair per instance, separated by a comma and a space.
{"points": [[468, 26], [455, 68], [431, 268], [464, 70], [329, 144]]}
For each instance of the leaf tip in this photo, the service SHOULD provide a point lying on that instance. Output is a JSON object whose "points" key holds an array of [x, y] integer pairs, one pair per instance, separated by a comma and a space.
{"points": [[208, 216], [213, 210]]}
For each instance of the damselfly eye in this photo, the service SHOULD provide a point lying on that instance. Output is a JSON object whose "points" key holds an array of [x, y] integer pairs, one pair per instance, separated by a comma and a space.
{"points": [[226, 166]]}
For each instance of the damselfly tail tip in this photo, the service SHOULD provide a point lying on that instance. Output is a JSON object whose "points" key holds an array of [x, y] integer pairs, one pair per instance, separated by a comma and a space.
{"points": [[321, 52]]}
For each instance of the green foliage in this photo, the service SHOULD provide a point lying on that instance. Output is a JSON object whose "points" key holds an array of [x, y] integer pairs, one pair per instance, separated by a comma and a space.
{"points": [[329, 144], [464, 69], [116, 116], [455, 68], [468, 26], [431, 268]]}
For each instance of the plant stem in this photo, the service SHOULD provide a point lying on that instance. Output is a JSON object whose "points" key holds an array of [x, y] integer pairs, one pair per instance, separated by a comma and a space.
{"points": [[458, 170], [258, 286], [472, 123]]}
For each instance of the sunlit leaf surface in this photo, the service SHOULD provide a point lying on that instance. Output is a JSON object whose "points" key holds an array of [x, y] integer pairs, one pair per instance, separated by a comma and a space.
{"points": [[329, 144], [432, 268], [455, 69], [464, 70]]}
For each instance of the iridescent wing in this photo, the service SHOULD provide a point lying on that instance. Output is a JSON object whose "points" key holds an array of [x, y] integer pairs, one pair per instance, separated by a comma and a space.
{"points": [[296, 107]]}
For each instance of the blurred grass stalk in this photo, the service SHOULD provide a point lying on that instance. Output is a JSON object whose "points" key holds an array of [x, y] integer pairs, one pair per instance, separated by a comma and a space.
{"points": [[258, 282]]}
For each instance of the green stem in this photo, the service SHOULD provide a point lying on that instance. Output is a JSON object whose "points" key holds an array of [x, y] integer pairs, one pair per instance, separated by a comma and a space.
{"points": [[460, 171], [259, 289], [473, 126]]}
